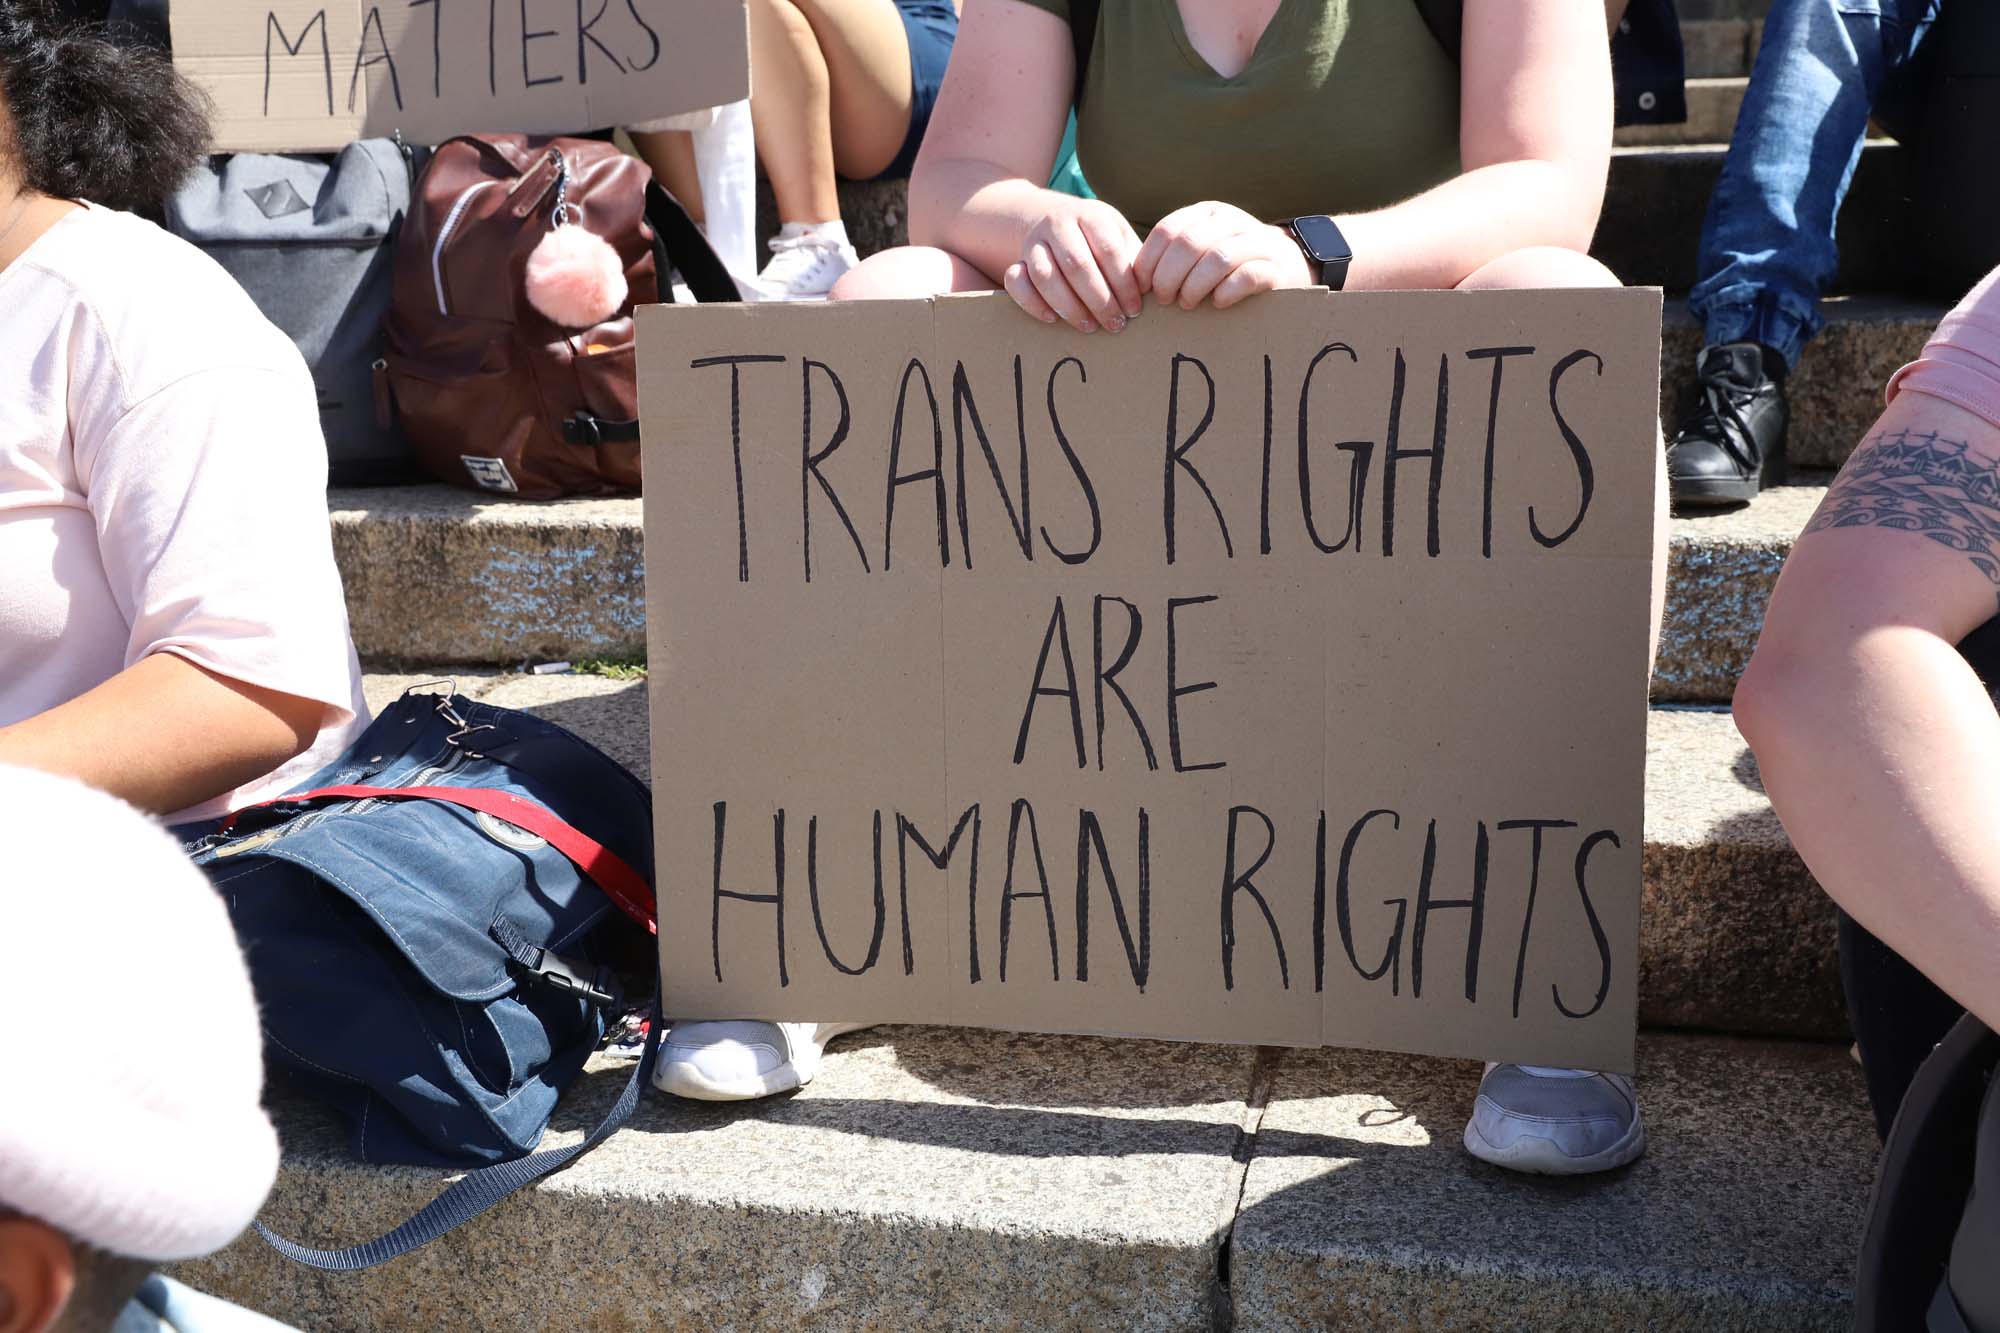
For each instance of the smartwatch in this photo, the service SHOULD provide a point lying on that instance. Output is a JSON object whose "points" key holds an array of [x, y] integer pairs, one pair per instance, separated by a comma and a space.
{"points": [[1325, 248]]}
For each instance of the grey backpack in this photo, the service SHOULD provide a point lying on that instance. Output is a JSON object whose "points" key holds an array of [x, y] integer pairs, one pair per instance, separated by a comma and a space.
{"points": [[312, 237]]}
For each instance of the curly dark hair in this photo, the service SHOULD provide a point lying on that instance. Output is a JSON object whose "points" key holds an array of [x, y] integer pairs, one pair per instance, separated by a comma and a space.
{"points": [[93, 119]]}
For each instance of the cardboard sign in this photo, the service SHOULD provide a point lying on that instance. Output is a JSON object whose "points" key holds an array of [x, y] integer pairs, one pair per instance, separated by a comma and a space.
{"points": [[1268, 675], [314, 75]]}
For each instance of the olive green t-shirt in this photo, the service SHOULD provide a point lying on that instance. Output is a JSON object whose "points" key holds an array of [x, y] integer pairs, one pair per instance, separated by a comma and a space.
{"points": [[1345, 106]]}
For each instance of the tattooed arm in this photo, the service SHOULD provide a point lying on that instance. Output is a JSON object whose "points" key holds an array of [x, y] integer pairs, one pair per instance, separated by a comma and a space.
{"points": [[1878, 745]]}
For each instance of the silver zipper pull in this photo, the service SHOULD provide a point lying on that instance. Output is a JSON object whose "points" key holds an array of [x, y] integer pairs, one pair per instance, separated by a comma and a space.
{"points": [[560, 215]]}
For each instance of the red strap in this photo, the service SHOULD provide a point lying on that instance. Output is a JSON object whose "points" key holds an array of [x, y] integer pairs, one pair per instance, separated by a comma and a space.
{"points": [[605, 868]]}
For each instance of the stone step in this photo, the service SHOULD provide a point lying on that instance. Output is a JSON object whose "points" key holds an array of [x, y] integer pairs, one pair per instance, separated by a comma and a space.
{"points": [[1721, 568], [1836, 392], [1736, 937], [951, 1179], [1650, 228], [1712, 106], [1720, 9], [1719, 45]]}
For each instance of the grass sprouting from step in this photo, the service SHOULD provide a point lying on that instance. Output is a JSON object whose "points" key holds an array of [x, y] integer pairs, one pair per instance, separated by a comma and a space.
{"points": [[614, 668]]}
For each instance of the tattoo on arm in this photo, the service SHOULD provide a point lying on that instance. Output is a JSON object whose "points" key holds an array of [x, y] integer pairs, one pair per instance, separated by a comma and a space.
{"points": [[1909, 482]]}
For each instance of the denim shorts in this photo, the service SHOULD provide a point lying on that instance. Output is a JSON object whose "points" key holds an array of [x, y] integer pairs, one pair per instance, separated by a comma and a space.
{"points": [[931, 25]]}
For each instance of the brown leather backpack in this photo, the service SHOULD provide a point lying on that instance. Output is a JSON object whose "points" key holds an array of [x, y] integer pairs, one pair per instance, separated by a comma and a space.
{"points": [[490, 393]]}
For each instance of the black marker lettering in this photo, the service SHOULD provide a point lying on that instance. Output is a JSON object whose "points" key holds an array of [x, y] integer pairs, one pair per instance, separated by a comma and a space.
{"points": [[1089, 840], [437, 43], [1476, 904], [1585, 477], [1008, 895], [810, 461], [1343, 912], [1360, 451], [362, 60], [1596, 928], [1176, 691], [1233, 883], [653, 59], [907, 833], [1498, 356], [1076, 466], [1393, 456], [1319, 906], [1058, 631], [962, 408], [1534, 887], [819, 921], [933, 474], [1177, 451], [1264, 475], [528, 39], [272, 28], [585, 39], [775, 898], [1109, 676], [736, 448]]}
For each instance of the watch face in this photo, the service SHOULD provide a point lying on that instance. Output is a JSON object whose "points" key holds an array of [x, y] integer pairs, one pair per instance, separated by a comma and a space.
{"points": [[1322, 238]]}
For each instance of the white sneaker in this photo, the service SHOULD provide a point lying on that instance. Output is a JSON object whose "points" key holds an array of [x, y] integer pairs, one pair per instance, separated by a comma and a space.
{"points": [[740, 1060], [805, 263], [1555, 1122]]}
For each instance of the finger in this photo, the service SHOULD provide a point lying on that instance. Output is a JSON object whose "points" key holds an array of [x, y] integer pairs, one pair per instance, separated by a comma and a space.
{"points": [[1183, 253], [1079, 265], [1022, 288], [1055, 289], [1115, 247], [1215, 264], [1250, 277], [1164, 233]]}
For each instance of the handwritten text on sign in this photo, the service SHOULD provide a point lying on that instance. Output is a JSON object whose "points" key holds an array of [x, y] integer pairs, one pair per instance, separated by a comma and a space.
{"points": [[1269, 675], [316, 74]]}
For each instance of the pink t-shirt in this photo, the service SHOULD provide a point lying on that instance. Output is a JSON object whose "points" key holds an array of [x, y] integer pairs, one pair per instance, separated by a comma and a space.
{"points": [[1961, 362], [162, 485]]}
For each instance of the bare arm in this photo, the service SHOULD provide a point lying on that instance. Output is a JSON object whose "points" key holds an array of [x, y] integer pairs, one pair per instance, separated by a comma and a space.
{"points": [[1878, 745], [978, 184], [1534, 141], [165, 734]]}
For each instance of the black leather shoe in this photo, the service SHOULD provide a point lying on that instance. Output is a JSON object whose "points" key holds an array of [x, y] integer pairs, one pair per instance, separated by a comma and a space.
{"points": [[1731, 439]]}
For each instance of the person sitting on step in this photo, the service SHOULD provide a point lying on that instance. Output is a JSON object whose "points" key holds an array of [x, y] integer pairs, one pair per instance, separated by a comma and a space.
{"points": [[115, 1161], [1767, 249], [1196, 125], [1877, 737], [1877, 741], [842, 88], [172, 628]]}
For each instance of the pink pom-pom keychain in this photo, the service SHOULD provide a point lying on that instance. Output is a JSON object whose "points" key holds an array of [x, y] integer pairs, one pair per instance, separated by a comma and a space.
{"points": [[574, 276]]}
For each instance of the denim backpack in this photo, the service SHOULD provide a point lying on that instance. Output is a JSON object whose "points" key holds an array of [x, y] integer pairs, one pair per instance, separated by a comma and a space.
{"points": [[439, 926]]}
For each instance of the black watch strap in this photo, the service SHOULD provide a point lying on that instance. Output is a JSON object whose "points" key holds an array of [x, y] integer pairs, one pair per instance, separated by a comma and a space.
{"points": [[1329, 265]]}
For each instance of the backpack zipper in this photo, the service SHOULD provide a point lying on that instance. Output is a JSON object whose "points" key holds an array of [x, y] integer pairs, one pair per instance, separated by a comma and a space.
{"points": [[451, 222]]}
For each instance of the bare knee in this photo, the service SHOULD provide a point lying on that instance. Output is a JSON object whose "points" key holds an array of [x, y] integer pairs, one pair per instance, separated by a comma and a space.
{"points": [[909, 272], [1540, 266]]}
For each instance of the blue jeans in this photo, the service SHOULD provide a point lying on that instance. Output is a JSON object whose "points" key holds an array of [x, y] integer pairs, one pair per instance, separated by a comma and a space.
{"points": [[1767, 244]]}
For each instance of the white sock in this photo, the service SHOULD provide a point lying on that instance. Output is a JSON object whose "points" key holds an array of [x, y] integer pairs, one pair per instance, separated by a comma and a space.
{"points": [[832, 233]]}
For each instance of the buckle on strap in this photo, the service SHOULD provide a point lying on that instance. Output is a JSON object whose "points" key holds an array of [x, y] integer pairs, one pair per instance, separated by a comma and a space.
{"points": [[592, 432], [551, 968]]}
